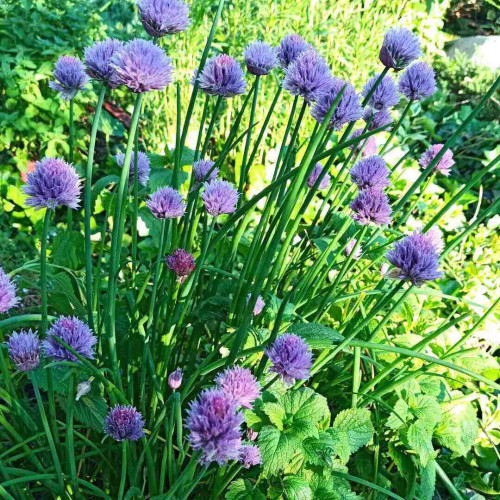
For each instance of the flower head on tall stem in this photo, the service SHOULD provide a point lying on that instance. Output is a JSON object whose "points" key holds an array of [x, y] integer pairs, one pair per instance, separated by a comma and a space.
{"points": [[166, 203], [8, 297], [220, 197], [24, 350], [260, 58], [385, 94], [124, 423], [69, 77], [98, 60], [175, 379], [399, 48], [201, 169], [313, 177], [370, 172], [182, 263], [250, 456], [143, 167], [377, 119], [240, 384], [417, 82], [164, 17], [223, 76], [290, 47], [142, 66], [371, 206], [443, 165], [366, 147], [53, 183]]}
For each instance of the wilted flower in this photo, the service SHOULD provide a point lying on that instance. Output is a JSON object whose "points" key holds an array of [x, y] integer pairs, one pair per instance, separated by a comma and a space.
{"points": [[399, 48], [415, 259], [164, 17], [215, 427], [417, 82], [53, 183], [259, 304], [98, 60], [370, 172], [201, 169], [142, 66], [251, 434], [350, 247], [249, 456], [143, 167], [385, 94], [384, 268], [220, 197], [182, 263], [222, 75], [240, 384], [260, 58], [82, 389], [443, 165], [73, 332], [8, 298], [371, 206], [367, 146], [308, 76], [311, 181], [435, 238], [166, 203], [290, 357], [290, 47], [378, 119], [70, 77], [348, 108], [175, 379], [24, 350], [124, 423]]}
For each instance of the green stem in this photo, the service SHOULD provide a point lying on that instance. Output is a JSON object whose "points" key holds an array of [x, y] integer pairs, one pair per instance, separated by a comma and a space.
{"points": [[70, 443], [123, 477], [448, 484], [71, 150], [396, 127], [43, 270], [211, 125], [356, 376]]}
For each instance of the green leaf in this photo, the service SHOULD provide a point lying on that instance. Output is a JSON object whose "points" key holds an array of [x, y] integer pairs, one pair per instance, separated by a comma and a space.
{"points": [[297, 488], [276, 414], [242, 489], [277, 449], [318, 451], [357, 425], [427, 481], [305, 404], [68, 250], [399, 416], [161, 177], [316, 335], [59, 378], [340, 444], [420, 441], [90, 410], [426, 408], [302, 429]]}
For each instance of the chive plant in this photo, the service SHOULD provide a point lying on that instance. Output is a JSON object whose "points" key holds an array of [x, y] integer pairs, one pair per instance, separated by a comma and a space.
{"points": [[198, 360]]}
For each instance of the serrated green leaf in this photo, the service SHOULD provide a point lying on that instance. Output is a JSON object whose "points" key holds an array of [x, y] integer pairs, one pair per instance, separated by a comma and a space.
{"points": [[426, 408], [242, 489], [297, 488], [60, 378], [305, 404], [340, 444], [357, 425], [276, 414], [318, 451], [404, 462], [302, 429], [316, 335], [277, 449], [420, 441], [427, 481], [68, 250], [90, 410], [399, 416]]}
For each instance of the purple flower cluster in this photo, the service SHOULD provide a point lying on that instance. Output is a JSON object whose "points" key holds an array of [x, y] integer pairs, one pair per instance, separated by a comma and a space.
{"points": [[142, 66], [166, 203], [124, 423], [73, 332], [377, 119], [24, 350], [371, 206], [399, 48], [415, 259], [308, 76], [182, 263], [239, 384], [222, 75], [53, 183], [201, 169], [98, 60], [175, 379], [250, 456], [220, 197], [350, 247], [370, 172], [8, 297], [143, 167], [366, 147], [69, 77], [443, 165], [260, 58], [385, 94], [164, 17], [417, 82], [290, 47], [313, 177], [290, 357]]}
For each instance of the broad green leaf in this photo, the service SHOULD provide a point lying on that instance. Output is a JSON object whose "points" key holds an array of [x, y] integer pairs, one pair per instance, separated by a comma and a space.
{"points": [[426, 408], [316, 335], [277, 449], [161, 177], [420, 440], [297, 488], [90, 410], [68, 250], [276, 414], [305, 404], [318, 451], [242, 489], [399, 416], [404, 462], [340, 444], [427, 481], [60, 377], [357, 425], [302, 429]]}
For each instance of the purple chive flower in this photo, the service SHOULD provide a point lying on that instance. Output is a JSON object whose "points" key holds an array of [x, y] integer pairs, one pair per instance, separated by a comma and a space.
{"points": [[370, 172], [435, 237], [8, 298], [215, 427], [311, 181], [290, 357], [399, 48], [417, 82], [290, 47], [348, 108], [371, 206], [201, 169], [142, 66], [367, 147], [308, 76], [24, 350], [260, 58], [239, 384], [143, 167], [378, 118], [259, 304], [70, 77], [220, 197], [415, 259], [385, 94], [53, 183], [249, 456], [222, 75], [182, 263], [443, 165], [124, 423], [350, 247], [175, 379], [98, 60], [166, 203], [164, 17], [73, 332]]}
